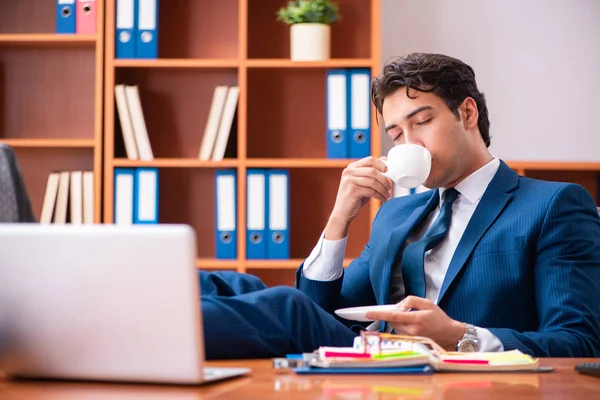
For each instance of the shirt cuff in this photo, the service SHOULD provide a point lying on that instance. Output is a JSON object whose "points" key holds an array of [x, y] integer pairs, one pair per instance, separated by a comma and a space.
{"points": [[326, 261], [487, 341]]}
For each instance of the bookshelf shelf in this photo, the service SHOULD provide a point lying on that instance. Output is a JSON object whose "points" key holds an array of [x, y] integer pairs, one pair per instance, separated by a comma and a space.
{"points": [[297, 163], [46, 38], [332, 63], [560, 166], [176, 163], [49, 142], [280, 264], [177, 63], [212, 263]]}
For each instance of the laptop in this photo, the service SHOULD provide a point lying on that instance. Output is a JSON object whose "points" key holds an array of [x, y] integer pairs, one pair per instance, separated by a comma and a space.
{"points": [[102, 303]]}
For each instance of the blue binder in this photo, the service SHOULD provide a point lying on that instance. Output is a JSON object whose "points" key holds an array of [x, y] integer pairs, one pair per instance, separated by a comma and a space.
{"points": [[123, 196], [125, 28], [278, 215], [256, 208], [65, 16], [337, 114], [226, 214], [359, 115], [145, 199], [146, 45]]}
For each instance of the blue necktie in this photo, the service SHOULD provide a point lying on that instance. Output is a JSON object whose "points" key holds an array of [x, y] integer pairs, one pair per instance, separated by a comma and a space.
{"points": [[413, 271]]}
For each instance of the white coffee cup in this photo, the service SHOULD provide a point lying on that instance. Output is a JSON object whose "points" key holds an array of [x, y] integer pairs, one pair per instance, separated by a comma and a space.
{"points": [[408, 165]]}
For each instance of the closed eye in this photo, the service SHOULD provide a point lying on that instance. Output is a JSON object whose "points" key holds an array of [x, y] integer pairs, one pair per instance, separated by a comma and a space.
{"points": [[424, 122]]}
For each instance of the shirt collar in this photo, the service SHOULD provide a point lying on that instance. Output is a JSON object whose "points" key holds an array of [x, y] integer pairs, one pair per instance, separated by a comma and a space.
{"points": [[473, 186]]}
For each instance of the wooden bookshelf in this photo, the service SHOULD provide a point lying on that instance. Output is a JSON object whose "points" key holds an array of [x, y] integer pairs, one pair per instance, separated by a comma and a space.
{"points": [[280, 120], [52, 91]]}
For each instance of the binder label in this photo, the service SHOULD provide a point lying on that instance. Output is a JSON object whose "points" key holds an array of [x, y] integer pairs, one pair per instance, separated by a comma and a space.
{"points": [[360, 101], [336, 101], [125, 17], [147, 196], [278, 206], [226, 208], [147, 19], [256, 202]]}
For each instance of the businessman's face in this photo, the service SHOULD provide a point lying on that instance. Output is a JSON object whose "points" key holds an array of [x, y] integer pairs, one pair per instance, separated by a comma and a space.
{"points": [[424, 119]]}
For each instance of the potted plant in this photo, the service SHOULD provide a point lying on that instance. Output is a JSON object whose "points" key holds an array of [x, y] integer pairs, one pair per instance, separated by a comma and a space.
{"points": [[310, 28]]}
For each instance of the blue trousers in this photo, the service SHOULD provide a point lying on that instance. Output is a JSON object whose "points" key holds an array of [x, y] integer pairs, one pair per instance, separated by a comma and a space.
{"points": [[243, 318]]}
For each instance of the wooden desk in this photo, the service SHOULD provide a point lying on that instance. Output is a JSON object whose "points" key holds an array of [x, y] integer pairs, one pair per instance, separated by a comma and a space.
{"points": [[265, 383]]}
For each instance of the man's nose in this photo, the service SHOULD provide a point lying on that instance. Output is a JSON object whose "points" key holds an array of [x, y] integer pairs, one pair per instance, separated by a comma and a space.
{"points": [[410, 138]]}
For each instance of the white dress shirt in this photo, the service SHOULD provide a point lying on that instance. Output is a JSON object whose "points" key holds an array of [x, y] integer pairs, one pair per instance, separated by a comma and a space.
{"points": [[325, 263]]}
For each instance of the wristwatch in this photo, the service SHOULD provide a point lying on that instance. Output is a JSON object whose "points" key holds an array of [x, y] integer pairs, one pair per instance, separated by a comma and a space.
{"points": [[469, 342]]}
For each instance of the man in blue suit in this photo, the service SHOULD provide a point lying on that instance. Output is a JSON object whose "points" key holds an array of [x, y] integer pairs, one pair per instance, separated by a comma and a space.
{"points": [[501, 262]]}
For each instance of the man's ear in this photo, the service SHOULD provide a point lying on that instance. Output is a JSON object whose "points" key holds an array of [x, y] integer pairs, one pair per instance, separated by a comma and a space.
{"points": [[469, 113]]}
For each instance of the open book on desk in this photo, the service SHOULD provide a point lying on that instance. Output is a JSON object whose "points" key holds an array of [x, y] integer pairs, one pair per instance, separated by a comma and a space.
{"points": [[375, 352]]}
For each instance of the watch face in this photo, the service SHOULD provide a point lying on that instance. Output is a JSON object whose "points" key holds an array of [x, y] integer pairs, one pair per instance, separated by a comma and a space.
{"points": [[468, 346]]}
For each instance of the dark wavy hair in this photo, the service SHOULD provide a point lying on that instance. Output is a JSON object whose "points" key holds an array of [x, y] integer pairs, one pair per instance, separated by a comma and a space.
{"points": [[447, 77]]}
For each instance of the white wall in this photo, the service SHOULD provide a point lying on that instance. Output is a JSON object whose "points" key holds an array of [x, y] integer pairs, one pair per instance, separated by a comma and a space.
{"points": [[537, 62]]}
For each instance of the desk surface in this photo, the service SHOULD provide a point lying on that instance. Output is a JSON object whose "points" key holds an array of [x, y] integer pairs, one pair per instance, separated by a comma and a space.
{"points": [[264, 382]]}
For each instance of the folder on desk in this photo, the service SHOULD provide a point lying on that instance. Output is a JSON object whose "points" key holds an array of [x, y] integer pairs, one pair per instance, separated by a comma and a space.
{"points": [[145, 199], [65, 16], [124, 189], [278, 216], [226, 214], [256, 245], [337, 120], [360, 112], [126, 31], [86, 17], [399, 351], [146, 45]]}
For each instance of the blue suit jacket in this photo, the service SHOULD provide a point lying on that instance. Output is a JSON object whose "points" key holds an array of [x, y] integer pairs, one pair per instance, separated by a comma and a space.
{"points": [[527, 267]]}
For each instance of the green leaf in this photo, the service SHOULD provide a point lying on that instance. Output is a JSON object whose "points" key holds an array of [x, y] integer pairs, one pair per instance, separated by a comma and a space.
{"points": [[309, 11]]}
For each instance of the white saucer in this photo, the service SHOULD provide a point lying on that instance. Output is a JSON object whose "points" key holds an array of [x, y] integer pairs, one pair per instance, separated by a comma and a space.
{"points": [[358, 313]]}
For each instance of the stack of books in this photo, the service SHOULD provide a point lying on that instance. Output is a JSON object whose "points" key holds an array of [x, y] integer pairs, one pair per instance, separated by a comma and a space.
{"points": [[377, 353]]}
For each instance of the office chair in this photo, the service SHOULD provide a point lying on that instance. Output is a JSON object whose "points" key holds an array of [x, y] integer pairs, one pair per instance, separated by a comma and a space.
{"points": [[15, 205]]}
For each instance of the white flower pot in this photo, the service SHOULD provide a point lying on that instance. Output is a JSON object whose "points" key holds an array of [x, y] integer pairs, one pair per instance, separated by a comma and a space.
{"points": [[310, 42]]}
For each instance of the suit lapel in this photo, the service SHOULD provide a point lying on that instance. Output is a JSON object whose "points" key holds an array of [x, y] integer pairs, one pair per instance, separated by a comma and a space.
{"points": [[494, 200], [381, 274]]}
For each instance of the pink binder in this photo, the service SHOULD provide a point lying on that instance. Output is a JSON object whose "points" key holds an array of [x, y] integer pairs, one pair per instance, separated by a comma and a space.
{"points": [[86, 17]]}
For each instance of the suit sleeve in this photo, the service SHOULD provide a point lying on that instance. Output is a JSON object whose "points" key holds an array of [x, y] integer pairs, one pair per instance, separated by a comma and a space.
{"points": [[352, 289], [567, 281]]}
